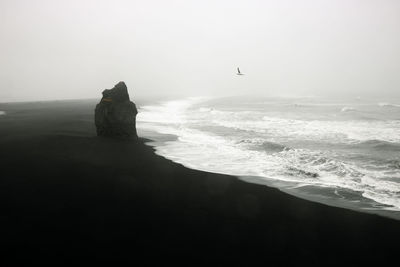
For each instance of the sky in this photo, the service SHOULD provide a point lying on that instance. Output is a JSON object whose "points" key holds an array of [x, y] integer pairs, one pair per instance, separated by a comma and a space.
{"points": [[71, 49]]}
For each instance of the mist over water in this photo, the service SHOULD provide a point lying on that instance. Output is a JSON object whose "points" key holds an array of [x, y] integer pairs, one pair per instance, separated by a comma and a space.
{"points": [[345, 150], [55, 49]]}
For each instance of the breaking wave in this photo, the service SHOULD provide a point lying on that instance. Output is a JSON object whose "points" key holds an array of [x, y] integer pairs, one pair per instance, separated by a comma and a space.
{"points": [[390, 105], [347, 109], [333, 131], [357, 155]]}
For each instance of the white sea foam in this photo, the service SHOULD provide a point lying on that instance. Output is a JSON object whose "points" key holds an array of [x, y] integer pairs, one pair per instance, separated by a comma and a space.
{"points": [[233, 154], [347, 109]]}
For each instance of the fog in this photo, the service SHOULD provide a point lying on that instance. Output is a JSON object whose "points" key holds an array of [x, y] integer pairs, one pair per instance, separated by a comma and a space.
{"points": [[72, 49]]}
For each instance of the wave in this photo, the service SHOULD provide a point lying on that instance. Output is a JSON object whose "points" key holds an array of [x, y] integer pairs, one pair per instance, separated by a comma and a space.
{"points": [[347, 109], [393, 164], [262, 145], [347, 132], [380, 145], [296, 171], [263, 152], [385, 104], [2, 113], [207, 152]]}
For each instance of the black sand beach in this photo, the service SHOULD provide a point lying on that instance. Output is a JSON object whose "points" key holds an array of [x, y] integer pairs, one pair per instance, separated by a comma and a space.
{"points": [[69, 197]]}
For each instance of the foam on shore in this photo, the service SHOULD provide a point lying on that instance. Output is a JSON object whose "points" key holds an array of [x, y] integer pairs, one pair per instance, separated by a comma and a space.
{"points": [[247, 143]]}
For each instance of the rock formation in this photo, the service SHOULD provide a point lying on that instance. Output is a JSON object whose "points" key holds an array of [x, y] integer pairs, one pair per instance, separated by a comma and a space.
{"points": [[115, 115]]}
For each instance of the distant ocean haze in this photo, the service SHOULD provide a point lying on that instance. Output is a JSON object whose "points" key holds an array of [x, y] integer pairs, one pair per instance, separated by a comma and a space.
{"points": [[347, 150]]}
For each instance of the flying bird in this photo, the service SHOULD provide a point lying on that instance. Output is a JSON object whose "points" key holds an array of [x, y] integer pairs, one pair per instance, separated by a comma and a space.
{"points": [[238, 72]]}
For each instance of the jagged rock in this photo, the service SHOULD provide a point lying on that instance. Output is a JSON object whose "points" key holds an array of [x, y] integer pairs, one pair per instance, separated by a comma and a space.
{"points": [[115, 115]]}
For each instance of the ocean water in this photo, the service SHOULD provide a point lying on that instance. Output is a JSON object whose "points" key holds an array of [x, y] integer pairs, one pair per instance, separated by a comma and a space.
{"points": [[342, 152], [2, 113]]}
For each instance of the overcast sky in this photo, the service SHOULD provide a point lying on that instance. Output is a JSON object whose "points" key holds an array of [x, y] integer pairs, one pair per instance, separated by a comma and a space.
{"points": [[52, 49]]}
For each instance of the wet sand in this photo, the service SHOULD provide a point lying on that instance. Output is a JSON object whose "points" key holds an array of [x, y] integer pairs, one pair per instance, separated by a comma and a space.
{"points": [[69, 197]]}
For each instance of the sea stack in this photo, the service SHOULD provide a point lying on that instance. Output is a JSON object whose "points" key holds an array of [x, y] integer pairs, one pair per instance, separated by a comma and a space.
{"points": [[115, 115]]}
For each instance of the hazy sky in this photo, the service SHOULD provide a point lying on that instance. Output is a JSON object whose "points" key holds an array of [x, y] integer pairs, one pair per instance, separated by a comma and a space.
{"points": [[52, 49]]}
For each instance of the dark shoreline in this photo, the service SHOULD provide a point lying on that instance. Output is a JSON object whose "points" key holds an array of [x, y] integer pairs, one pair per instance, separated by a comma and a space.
{"points": [[68, 197]]}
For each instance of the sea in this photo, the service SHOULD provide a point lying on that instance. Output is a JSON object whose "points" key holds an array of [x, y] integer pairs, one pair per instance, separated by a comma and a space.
{"points": [[337, 151]]}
